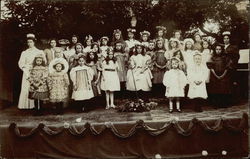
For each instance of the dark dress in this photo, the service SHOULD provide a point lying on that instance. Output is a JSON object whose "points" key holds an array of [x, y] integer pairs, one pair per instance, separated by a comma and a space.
{"points": [[220, 63], [157, 72]]}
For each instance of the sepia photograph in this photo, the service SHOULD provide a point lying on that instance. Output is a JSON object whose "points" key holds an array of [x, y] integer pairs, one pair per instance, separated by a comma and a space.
{"points": [[124, 79]]}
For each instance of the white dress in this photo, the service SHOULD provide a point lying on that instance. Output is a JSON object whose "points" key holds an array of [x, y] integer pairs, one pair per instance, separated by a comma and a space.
{"points": [[82, 76], [69, 53], [110, 79], [175, 81], [198, 73], [25, 64], [140, 77], [206, 57]]}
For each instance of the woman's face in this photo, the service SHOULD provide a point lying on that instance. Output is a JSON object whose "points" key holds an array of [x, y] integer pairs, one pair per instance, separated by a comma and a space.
{"points": [[197, 59], [74, 40], [144, 37], [39, 61], [30, 43], [218, 50], [173, 44], [59, 67], [88, 42], [130, 35], [160, 33], [117, 36], [139, 49], [78, 49], [188, 45], [177, 35], [91, 55], [160, 44], [81, 61], [205, 45]]}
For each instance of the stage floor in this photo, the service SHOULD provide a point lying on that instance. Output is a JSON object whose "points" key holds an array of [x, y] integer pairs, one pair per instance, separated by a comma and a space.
{"points": [[100, 115]]}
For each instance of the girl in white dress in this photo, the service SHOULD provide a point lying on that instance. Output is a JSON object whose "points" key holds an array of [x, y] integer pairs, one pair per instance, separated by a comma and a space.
{"points": [[87, 44], [110, 80], [175, 81], [104, 45], [145, 38], [82, 77], [139, 76], [188, 52], [197, 81], [131, 42], [25, 64]]}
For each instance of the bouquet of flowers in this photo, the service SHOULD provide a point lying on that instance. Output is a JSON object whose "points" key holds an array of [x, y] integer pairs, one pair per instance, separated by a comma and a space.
{"points": [[137, 106]]}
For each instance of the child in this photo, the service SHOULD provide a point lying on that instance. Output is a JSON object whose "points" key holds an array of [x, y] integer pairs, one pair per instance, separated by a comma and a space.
{"points": [[87, 44], [197, 42], [160, 35], [175, 81], [177, 35], [91, 61], [151, 52], [131, 42], [182, 64], [110, 79], [160, 67], [139, 75], [188, 52], [117, 36], [220, 77], [174, 45], [197, 82], [82, 77], [38, 83], [78, 52], [58, 83], [144, 38], [104, 46], [207, 52]]}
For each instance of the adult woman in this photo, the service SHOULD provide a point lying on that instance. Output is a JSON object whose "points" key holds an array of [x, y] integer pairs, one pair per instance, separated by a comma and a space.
{"points": [[25, 64]]}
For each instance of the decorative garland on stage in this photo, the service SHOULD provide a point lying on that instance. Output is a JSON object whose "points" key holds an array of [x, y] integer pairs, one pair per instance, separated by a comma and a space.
{"points": [[139, 125]]}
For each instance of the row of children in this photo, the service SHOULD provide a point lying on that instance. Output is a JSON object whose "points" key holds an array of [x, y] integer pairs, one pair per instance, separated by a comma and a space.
{"points": [[130, 65]]}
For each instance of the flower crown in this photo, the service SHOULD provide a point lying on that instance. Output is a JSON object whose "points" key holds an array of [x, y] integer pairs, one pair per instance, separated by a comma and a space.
{"points": [[63, 41], [161, 28], [104, 37], [88, 37], [117, 31], [145, 33], [226, 33], [131, 30], [30, 35]]}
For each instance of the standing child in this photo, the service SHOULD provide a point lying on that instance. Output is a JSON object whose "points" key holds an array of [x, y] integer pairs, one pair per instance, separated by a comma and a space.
{"points": [[178, 54], [151, 52], [38, 83], [207, 54], [220, 77], [139, 75], [104, 45], [58, 83], [131, 42], [87, 44], [188, 52], [117, 36], [110, 79], [174, 45], [197, 42], [178, 36], [74, 58], [197, 82], [161, 35], [144, 38], [82, 77], [175, 81]]}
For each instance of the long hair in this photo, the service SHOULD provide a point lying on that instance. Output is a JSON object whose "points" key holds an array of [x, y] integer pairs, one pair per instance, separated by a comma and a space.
{"points": [[92, 46], [107, 59], [143, 50], [79, 45], [34, 62], [209, 45], [121, 50], [222, 50], [88, 59], [157, 48]]}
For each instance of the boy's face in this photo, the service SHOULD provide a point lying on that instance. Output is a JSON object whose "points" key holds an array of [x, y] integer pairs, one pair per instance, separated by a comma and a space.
{"points": [[144, 37], [197, 59], [81, 61], [151, 46], [58, 67]]}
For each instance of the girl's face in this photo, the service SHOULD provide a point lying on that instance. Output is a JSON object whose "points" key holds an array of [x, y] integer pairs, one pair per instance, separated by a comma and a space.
{"points": [[78, 48], [111, 55], [88, 42], [30, 43], [218, 50], [95, 48], [81, 61], [160, 33], [175, 64], [53, 43], [39, 61], [151, 46], [205, 45], [139, 49], [197, 59], [58, 67], [74, 40], [130, 35], [197, 38], [117, 36], [160, 44], [177, 35], [118, 47], [144, 37], [104, 42], [91, 55], [188, 45], [173, 44]]}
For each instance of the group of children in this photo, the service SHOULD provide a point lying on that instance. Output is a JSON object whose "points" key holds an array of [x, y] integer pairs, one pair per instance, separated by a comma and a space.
{"points": [[82, 72]]}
